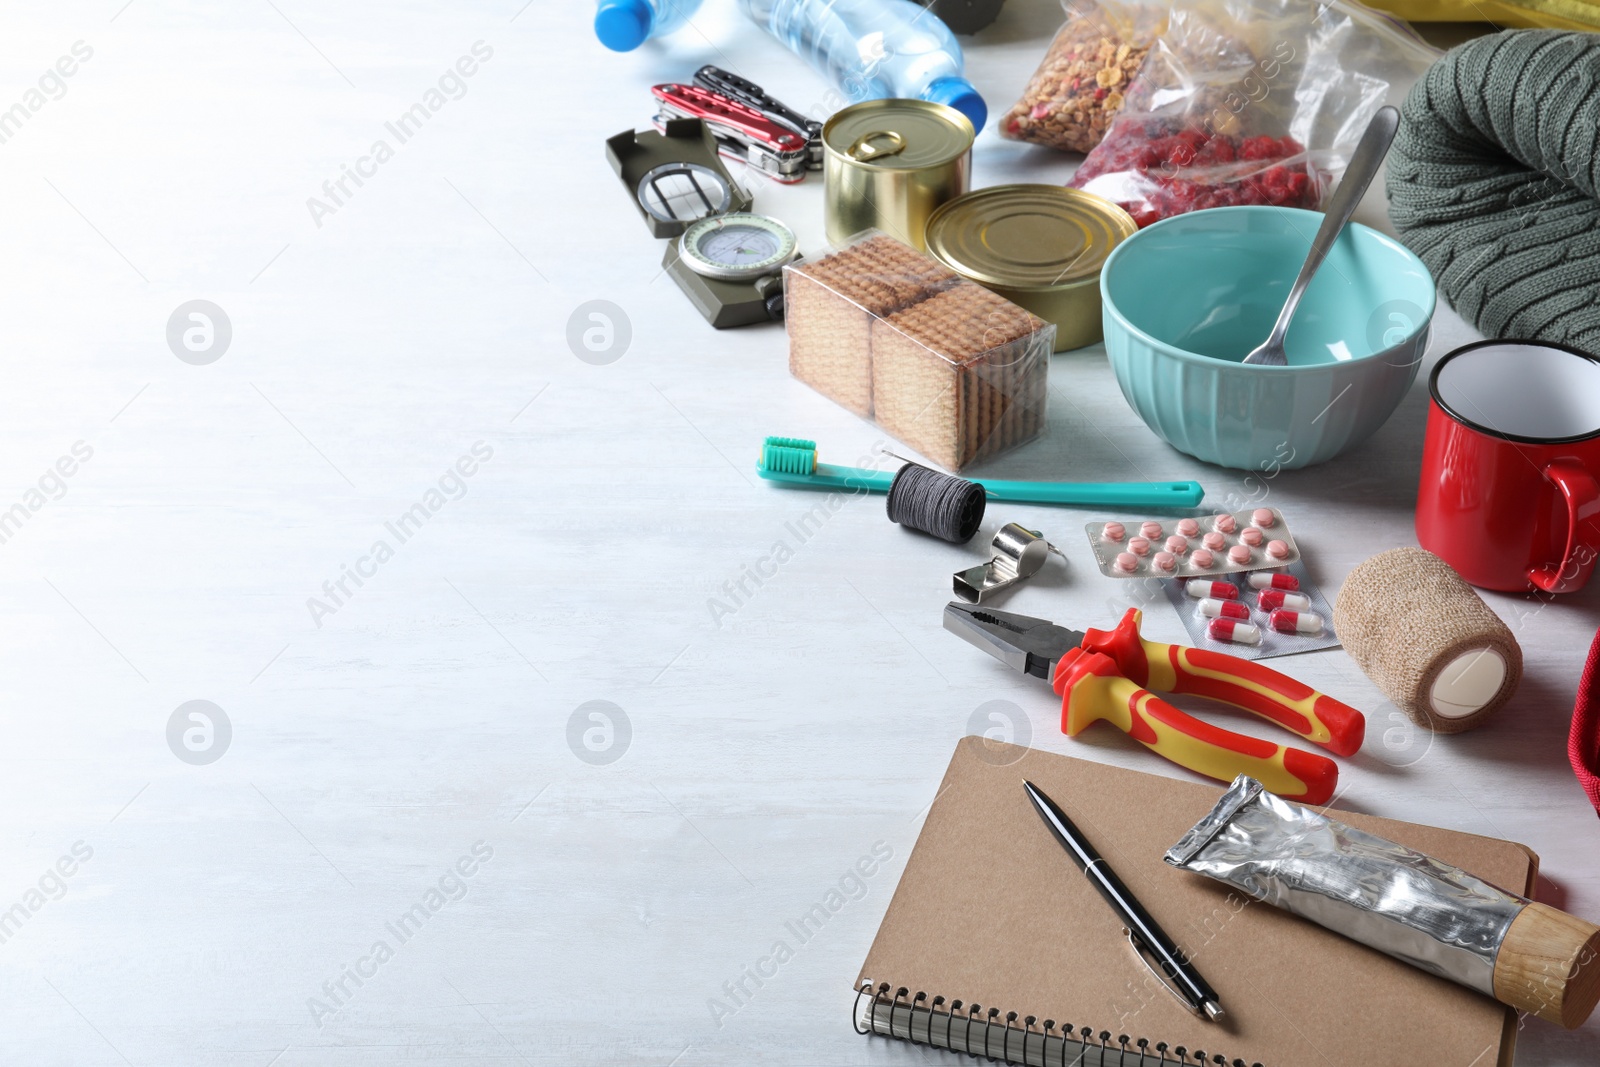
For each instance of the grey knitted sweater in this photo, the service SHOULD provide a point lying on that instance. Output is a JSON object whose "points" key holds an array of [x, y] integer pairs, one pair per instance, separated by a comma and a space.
{"points": [[1493, 182]]}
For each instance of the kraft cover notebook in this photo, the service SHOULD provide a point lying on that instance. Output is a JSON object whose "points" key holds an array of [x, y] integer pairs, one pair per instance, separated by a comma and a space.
{"points": [[991, 913]]}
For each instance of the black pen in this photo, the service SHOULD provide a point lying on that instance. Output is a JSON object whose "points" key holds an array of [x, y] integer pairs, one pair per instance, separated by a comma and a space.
{"points": [[1149, 940]]}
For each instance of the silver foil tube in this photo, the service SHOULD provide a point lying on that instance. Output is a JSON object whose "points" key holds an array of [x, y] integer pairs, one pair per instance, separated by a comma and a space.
{"points": [[1384, 895]]}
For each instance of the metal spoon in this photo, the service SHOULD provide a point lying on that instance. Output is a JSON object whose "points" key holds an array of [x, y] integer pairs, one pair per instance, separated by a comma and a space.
{"points": [[1358, 175]]}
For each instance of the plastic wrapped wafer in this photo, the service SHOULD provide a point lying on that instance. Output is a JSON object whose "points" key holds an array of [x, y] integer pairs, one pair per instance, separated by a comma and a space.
{"points": [[944, 365], [833, 301]]}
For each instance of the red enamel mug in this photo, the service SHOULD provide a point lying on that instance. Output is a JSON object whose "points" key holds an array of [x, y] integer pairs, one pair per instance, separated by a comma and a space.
{"points": [[1509, 494]]}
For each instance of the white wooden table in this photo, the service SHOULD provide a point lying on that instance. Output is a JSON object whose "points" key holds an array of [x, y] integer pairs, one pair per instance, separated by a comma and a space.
{"points": [[433, 714]]}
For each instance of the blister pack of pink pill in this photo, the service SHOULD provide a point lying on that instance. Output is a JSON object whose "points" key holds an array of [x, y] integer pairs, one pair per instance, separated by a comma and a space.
{"points": [[1256, 615], [1193, 547]]}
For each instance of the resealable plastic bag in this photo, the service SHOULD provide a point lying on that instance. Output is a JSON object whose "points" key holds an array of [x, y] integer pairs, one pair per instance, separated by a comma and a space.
{"points": [[1083, 80], [1251, 102]]}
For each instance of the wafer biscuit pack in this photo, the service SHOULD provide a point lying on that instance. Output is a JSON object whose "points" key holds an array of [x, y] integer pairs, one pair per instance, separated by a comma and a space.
{"points": [[939, 362]]}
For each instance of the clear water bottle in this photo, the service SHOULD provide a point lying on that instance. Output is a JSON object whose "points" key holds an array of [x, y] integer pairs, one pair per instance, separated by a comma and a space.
{"points": [[623, 25], [872, 49]]}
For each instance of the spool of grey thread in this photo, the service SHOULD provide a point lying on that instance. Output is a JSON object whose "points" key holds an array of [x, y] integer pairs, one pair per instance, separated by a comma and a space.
{"points": [[943, 505]]}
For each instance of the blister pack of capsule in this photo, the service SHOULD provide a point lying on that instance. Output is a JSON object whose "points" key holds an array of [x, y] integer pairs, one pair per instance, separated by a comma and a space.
{"points": [[1256, 615], [1193, 547]]}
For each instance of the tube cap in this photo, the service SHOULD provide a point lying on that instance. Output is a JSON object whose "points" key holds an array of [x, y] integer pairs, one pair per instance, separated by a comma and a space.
{"points": [[623, 25], [959, 94]]}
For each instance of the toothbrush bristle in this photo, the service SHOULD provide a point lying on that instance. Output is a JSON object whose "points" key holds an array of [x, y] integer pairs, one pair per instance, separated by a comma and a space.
{"points": [[789, 455]]}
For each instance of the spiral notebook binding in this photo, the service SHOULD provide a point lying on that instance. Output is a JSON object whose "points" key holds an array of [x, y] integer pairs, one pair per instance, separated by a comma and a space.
{"points": [[1010, 1038]]}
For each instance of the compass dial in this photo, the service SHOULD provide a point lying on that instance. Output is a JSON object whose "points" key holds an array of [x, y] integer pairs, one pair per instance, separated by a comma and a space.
{"points": [[737, 247]]}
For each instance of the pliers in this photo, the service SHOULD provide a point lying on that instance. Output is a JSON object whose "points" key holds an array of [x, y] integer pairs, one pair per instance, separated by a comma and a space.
{"points": [[1109, 674]]}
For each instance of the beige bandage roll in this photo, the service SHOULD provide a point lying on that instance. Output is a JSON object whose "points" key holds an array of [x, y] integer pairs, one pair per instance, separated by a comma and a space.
{"points": [[1429, 642]]}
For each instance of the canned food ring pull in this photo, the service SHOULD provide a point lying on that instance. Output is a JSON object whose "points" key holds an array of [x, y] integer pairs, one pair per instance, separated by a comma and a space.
{"points": [[864, 150]]}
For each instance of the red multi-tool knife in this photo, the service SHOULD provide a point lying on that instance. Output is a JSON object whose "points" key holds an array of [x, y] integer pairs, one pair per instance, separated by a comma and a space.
{"points": [[748, 125]]}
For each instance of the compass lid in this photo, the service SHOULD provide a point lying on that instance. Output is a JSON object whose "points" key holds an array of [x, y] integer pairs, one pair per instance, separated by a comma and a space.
{"points": [[636, 156]]}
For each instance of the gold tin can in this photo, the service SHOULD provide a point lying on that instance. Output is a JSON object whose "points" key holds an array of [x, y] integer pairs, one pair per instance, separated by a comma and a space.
{"points": [[1039, 246], [888, 164]]}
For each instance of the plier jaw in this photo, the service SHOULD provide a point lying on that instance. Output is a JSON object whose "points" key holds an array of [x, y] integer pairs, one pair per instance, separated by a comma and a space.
{"points": [[1021, 642]]}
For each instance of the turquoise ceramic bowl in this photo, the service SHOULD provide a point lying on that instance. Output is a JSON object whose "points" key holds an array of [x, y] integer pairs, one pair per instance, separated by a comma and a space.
{"points": [[1188, 297]]}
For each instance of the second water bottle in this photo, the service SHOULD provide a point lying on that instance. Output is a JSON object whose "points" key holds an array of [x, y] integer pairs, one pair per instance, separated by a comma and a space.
{"points": [[870, 49]]}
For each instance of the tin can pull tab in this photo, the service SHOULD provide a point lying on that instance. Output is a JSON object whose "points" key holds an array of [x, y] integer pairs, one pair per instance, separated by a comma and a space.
{"points": [[1018, 555], [876, 145]]}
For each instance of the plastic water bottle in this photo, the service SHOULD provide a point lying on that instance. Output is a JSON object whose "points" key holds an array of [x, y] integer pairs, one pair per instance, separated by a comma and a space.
{"points": [[871, 49], [623, 25]]}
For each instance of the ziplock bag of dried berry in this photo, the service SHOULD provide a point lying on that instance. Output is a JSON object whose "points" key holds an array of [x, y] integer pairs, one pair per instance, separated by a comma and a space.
{"points": [[1250, 102], [1084, 77]]}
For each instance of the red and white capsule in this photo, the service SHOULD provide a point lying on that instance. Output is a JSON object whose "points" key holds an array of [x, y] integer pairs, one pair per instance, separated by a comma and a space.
{"points": [[1223, 609], [1233, 631], [1268, 580], [1273, 599], [1295, 622], [1201, 588]]}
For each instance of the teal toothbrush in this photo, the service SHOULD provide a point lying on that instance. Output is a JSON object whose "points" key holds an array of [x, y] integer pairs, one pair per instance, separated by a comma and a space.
{"points": [[793, 461]]}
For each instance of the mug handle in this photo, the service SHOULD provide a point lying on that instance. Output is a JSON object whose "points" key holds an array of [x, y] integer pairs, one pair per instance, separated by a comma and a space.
{"points": [[1582, 495]]}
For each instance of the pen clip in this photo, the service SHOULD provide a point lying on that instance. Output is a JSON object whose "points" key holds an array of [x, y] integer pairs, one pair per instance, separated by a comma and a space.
{"points": [[1143, 952]]}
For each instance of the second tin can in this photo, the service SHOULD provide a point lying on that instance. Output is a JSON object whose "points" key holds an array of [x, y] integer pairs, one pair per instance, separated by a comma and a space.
{"points": [[1040, 246], [888, 164]]}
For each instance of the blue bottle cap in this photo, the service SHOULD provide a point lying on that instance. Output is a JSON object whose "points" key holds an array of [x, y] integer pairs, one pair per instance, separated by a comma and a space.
{"points": [[959, 94], [623, 25]]}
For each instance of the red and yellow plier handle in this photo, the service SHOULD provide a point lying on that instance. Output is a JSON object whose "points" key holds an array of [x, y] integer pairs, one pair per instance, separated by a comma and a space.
{"points": [[1111, 675]]}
